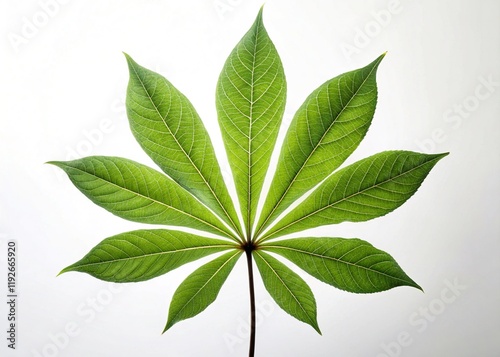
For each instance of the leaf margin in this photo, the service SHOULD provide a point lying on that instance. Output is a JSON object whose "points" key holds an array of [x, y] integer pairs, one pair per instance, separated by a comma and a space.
{"points": [[212, 190], [153, 237], [308, 259], [248, 195], [282, 227], [227, 258], [271, 211], [214, 224], [266, 261]]}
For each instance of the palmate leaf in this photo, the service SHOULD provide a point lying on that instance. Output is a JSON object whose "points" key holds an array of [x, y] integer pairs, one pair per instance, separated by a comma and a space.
{"points": [[348, 264], [168, 128], [250, 103], [250, 100], [323, 133], [145, 254], [200, 289], [288, 289], [138, 193], [367, 189]]}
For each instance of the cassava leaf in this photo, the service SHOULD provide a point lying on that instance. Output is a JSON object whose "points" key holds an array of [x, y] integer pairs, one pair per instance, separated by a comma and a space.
{"points": [[168, 128], [250, 101], [251, 95], [201, 288], [145, 254], [348, 264], [289, 290], [367, 189], [138, 193], [323, 133]]}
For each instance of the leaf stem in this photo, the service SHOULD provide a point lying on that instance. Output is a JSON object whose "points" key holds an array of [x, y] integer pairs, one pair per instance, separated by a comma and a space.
{"points": [[248, 250]]}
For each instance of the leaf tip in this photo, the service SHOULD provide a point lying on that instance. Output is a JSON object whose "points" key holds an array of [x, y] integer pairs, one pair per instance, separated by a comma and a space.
{"points": [[127, 56], [65, 270], [55, 163], [130, 62], [437, 157], [258, 19], [167, 327], [416, 286], [318, 330], [413, 284], [60, 164], [378, 60]]}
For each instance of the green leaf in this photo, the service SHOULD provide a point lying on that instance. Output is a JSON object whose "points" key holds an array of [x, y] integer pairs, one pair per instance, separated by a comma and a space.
{"points": [[138, 193], [250, 101], [201, 288], [348, 264], [145, 254], [289, 290], [324, 132], [251, 94], [367, 189], [168, 128]]}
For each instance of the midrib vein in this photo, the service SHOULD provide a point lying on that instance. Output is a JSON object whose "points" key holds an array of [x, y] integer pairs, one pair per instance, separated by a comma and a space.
{"points": [[250, 138]]}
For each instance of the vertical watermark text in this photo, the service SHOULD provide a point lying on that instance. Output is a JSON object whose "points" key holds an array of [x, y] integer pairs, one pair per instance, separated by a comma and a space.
{"points": [[12, 296]]}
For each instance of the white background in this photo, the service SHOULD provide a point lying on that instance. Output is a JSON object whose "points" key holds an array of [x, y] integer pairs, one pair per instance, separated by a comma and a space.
{"points": [[63, 75]]}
